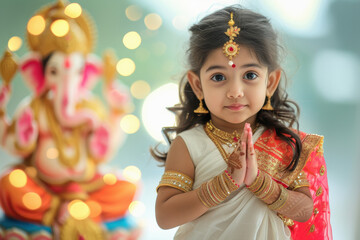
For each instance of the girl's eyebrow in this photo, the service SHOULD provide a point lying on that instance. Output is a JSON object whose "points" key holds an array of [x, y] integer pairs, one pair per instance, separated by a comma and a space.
{"points": [[223, 67], [251, 65], [215, 67]]}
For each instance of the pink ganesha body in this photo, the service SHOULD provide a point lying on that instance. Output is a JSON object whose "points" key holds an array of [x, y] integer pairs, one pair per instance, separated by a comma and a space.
{"points": [[62, 134]]}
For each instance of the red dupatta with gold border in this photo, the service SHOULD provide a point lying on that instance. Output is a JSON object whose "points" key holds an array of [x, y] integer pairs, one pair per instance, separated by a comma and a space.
{"points": [[274, 155]]}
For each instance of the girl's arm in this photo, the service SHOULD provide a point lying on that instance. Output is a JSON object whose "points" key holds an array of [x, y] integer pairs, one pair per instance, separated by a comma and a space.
{"points": [[174, 207], [299, 205], [296, 205]]}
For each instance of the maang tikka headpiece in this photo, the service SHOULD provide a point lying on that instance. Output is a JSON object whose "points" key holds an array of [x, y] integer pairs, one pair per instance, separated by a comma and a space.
{"points": [[231, 48]]}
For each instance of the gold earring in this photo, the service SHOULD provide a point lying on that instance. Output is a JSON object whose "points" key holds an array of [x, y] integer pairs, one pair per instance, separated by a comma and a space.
{"points": [[201, 109], [268, 106]]}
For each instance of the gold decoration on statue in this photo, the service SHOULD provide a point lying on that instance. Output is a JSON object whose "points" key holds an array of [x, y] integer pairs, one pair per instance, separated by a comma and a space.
{"points": [[8, 67], [62, 142], [78, 38], [268, 105], [201, 109], [81, 229], [109, 70]]}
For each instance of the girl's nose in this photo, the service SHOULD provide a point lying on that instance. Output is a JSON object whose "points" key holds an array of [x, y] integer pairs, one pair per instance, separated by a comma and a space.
{"points": [[235, 90]]}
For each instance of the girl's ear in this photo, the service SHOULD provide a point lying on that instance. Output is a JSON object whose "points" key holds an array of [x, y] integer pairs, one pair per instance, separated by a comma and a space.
{"points": [[195, 84], [273, 81]]}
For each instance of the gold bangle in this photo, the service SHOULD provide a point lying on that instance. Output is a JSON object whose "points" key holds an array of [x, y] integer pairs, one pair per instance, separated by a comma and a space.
{"points": [[280, 202], [256, 185], [176, 180], [200, 195], [273, 187], [216, 190], [263, 186], [268, 184]]}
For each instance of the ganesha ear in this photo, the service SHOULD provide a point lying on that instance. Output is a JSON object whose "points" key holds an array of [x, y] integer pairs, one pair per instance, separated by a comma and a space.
{"points": [[92, 70], [32, 71]]}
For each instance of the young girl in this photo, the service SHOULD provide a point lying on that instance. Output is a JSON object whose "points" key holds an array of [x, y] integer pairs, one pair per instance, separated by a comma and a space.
{"points": [[237, 169]]}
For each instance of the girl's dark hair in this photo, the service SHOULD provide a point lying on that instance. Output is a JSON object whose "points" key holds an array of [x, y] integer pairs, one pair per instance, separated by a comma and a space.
{"points": [[257, 34]]}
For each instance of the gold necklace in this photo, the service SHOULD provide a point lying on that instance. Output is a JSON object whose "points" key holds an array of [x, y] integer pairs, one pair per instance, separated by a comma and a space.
{"points": [[219, 137]]}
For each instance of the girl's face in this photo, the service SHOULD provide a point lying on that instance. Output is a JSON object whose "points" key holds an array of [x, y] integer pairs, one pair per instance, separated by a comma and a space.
{"points": [[233, 95]]}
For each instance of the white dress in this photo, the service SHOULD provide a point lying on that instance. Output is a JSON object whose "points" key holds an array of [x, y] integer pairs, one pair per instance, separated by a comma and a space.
{"points": [[241, 215]]}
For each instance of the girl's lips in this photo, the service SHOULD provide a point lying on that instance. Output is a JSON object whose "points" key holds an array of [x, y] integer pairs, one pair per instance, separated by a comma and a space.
{"points": [[235, 107]]}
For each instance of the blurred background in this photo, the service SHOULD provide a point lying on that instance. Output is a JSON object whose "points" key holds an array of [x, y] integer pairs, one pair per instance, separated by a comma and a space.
{"points": [[150, 39]]}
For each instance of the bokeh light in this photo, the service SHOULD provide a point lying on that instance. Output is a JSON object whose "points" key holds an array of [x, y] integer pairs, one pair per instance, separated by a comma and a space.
{"points": [[31, 200], [130, 124], [78, 209], [73, 10], [133, 13], [36, 25], [14, 43], [137, 208], [125, 67], [132, 40], [52, 153], [60, 27], [110, 179], [153, 21], [140, 89], [132, 174], [18, 178], [155, 116]]}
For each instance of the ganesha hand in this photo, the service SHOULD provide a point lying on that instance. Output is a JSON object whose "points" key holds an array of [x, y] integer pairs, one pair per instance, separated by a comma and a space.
{"points": [[117, 97], [4, 96], [99, 142], [26, 128]]}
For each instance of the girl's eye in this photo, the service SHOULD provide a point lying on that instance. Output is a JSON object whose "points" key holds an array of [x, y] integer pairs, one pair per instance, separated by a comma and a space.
{"points": [[218, 77], [250, 76]]}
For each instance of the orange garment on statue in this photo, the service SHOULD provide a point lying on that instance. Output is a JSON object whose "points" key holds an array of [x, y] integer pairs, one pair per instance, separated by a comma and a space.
{"points": [[113, 199], [274, 155]]}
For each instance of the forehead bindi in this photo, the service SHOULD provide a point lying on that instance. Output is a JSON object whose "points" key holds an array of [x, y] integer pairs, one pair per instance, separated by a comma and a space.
{"points": [[246, 59], [67, 62]]}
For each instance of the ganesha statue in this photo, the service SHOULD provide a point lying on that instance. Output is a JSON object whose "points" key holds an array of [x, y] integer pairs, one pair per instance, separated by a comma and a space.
{"points": [[61, 134]]}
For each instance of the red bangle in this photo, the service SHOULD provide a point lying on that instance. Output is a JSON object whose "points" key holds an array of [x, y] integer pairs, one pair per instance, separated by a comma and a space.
{"points": [[228, 174]]}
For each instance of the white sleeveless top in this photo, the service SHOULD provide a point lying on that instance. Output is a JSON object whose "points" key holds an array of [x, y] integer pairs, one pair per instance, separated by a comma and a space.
{"points": [[241, 215]]}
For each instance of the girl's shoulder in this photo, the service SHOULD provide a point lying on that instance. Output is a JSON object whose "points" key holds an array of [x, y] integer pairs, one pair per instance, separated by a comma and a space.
{"points": [[308, 139], [195, 133], [196, 141]]}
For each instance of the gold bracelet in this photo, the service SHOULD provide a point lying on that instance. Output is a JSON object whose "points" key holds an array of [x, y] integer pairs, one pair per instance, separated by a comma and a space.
{"points": [[256, 185], [176, 180], [273, 187], [280, 202], [268, 184], [263, 186], [216, 190]]}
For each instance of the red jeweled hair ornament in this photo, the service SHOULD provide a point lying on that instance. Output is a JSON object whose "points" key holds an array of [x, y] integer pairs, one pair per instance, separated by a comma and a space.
{"points": [[231, 48]]}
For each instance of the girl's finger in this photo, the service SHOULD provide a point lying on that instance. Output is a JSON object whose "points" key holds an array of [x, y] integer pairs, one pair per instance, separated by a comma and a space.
{"points": [[250, 144], [244, 134]]}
